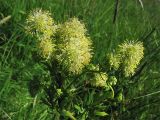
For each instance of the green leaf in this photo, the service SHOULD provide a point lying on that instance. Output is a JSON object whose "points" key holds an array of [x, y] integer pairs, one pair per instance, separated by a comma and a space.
{"points": [[81, 110], [98, 113], [68, 114]]}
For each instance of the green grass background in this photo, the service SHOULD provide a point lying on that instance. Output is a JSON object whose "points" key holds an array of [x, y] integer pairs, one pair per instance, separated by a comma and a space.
{"points": [[18, 68]]}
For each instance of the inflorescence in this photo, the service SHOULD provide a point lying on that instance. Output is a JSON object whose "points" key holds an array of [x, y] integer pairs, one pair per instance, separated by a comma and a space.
{"points": [[74, 46], [127, 57], [70, 45], [40, 23]]}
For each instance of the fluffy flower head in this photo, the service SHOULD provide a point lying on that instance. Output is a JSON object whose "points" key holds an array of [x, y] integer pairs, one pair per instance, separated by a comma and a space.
{"points": [[40, 23], [114, 61], [131, 54], [73, 28], [74, 46], [46, 48]]}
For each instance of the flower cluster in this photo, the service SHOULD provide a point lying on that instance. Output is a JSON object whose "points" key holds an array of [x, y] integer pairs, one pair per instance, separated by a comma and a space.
{"points": [[114, 61], [74, 46], [46, 48], [131, 55], [128, 57], [40, 23], [98, 79]]}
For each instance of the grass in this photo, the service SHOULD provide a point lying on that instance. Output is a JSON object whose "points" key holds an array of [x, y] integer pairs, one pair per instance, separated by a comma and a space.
{"points": [[18, 68]]}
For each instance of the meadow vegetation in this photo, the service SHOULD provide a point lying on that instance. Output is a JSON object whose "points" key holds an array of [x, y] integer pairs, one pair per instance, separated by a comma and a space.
{"points": [[78, 60]]}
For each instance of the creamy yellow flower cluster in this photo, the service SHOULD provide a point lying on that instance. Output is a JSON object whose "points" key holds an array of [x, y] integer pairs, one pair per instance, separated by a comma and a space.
{"points": [[127, 57], [41, 25], [98, 78], [68, 43], [74, 46]]}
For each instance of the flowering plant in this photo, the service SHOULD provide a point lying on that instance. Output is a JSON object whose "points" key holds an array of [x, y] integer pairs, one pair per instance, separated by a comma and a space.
{"points": [[78, 89]]}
